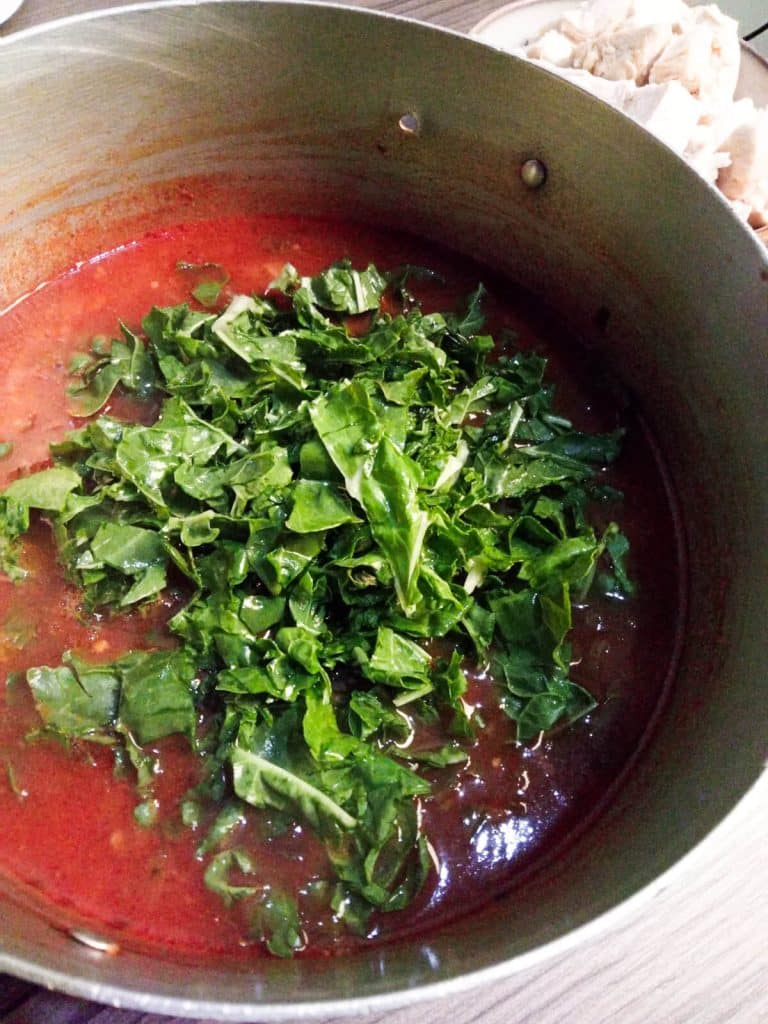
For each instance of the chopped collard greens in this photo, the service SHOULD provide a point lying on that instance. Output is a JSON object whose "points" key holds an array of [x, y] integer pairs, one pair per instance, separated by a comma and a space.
{"points": [[328, 499]]}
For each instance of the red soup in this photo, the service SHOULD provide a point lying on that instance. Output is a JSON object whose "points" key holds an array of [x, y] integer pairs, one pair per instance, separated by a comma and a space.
{"points": [[396, 651]]}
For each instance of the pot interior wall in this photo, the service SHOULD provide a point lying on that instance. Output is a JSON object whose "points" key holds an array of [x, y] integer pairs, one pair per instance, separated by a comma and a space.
{"points": [[113, 123]]}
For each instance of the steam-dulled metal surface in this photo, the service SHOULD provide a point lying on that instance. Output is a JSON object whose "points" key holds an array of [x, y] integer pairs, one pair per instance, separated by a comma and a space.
{"points": [[111, 110]]}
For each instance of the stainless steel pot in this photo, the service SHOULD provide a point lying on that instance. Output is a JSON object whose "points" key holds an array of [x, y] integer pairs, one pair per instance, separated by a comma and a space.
{"points": [[300, 107]]}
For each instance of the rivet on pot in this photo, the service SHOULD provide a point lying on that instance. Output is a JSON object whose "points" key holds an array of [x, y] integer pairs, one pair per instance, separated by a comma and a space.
{"points": [[533, 173], [409, 124]]}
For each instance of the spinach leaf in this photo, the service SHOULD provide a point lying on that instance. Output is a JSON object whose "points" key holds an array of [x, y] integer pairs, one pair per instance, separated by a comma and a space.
{"points": [[75, 699], [219, 869], [262, 783], [156, 695], [339, 289], [136, 552], [617, 583], [318, 506], [275, 921], [121, 362], [207, 280], [399, 662], [47, 490]]}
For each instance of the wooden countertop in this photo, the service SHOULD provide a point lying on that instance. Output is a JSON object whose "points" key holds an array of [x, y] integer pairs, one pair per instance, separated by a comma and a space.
{"points": [[696, 954]]}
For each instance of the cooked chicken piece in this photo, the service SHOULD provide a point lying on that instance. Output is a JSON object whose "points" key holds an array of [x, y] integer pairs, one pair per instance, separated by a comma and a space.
{"points": [[613, 38], [746, 178], [584, 23], [704, 57], [708, 162], [605, 16], [553, 47], [626, 53], [668, 111], [705, 148]]}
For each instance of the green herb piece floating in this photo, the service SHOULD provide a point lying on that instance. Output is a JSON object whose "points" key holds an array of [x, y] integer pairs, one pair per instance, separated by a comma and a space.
{"points": [[332, 500], [209, 281]]}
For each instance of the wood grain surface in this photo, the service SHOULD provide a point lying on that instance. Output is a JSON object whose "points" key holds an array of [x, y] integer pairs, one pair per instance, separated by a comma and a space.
{"points": [[697, 953]]}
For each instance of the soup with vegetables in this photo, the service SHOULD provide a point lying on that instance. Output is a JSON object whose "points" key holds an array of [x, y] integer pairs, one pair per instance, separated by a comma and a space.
{"points": [[339, 588]]}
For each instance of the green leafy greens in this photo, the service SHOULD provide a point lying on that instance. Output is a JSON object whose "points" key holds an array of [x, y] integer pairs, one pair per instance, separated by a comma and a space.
{"points": [[332, 500]]}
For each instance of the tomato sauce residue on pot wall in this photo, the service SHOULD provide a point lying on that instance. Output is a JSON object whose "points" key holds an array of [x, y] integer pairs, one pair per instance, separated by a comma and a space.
{"points": [[69, 833]]}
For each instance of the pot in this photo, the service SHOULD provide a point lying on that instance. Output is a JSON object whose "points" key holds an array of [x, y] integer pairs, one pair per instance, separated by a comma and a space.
{"points": [[110, 122]]}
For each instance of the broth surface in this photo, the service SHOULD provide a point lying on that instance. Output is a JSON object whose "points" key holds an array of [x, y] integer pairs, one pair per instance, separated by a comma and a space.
{"points": [[69, 833]]}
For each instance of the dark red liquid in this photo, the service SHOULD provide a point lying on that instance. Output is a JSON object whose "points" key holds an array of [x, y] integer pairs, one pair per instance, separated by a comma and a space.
{"points": [[69, 834]]}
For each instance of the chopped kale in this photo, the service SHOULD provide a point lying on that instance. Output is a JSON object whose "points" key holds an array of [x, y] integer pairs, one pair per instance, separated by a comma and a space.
{"points": [[330, 500]]}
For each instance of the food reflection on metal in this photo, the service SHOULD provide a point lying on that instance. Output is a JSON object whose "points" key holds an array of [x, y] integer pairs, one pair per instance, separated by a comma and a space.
{"points": [[95, 942]]}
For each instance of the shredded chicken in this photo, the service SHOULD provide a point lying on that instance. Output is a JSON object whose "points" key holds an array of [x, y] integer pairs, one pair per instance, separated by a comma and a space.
{"points": [[745, 178], [674, 69], [704, 57]]}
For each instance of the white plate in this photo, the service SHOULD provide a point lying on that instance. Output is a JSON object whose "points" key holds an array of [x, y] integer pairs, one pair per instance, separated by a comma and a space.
{"points": [[516, 23]]}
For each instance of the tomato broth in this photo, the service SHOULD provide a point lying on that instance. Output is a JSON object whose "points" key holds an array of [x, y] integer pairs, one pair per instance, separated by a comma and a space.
{"points": [[70, 836]]}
